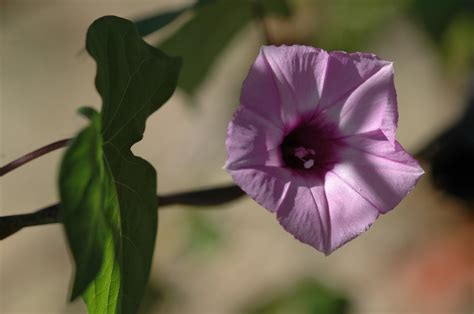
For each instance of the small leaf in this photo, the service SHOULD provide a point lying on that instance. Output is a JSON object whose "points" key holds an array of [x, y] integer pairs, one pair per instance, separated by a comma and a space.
{"points": [[108, 195], [214, 25]]}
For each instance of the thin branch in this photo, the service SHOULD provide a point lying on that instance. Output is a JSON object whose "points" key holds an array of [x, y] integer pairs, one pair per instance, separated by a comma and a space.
{"points": [[48, 215], [11, 224], [205, 197], [260, 14], [33, 155]]}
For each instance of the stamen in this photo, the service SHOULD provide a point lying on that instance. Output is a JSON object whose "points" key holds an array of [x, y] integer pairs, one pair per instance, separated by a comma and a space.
{"points": [[309, 163], [302, 152], [310, 147]]}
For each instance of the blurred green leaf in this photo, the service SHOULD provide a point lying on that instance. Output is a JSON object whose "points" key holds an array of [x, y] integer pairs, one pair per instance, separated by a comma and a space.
{"points": [[450, 24], [201, 39], [437, 16], [108, 195], [458, 43], [350, 25], [213, 26], [276, 7], [153, 23], [158, 294], [306, 297], [203, 235], [203, 2]]}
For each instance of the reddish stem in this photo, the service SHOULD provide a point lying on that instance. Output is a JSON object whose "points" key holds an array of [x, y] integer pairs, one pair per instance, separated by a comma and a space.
{"points": [[33, 155]]}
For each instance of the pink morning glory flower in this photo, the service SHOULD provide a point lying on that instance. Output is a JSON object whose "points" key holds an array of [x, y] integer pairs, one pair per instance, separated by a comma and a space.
{"points": [[314, 142]]}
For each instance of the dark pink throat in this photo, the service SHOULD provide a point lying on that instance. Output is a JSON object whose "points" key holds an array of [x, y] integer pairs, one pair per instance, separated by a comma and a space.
{"points": [[311, 147]]}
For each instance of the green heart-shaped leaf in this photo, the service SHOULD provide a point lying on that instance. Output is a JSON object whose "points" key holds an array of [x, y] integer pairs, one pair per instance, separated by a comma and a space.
{"points": [[108, 195]]}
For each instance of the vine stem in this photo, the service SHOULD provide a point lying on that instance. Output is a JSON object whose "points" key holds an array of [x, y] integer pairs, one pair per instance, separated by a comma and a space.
{"points": [[33, 155], [51, 214]]}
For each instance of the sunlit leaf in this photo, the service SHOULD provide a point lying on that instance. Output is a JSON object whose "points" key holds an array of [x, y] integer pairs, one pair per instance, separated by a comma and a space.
{"points": [[108, 195]]}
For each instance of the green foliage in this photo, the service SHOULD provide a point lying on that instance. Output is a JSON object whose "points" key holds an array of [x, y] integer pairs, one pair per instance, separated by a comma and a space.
{"points": [[158, 294], [201, 39], [153, 23], [437, 16], [88, 220], [213, 26], [203, 235], [306, 297], [350, 25], [108, 195], [458, 43], [450, 25], [276, 7], [158, 20]]}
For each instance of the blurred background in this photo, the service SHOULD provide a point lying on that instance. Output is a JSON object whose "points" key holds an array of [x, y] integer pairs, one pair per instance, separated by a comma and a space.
{"points": [[235, 258]]}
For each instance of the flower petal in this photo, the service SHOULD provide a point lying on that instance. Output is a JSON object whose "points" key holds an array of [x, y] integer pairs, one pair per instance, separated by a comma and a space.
{"points": [[259, 93], [267, 185], [350, 213], [252, 141], [380, 172], [372, 105], [326, 213], [345, 72], [304, 213], [285, 83]]}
